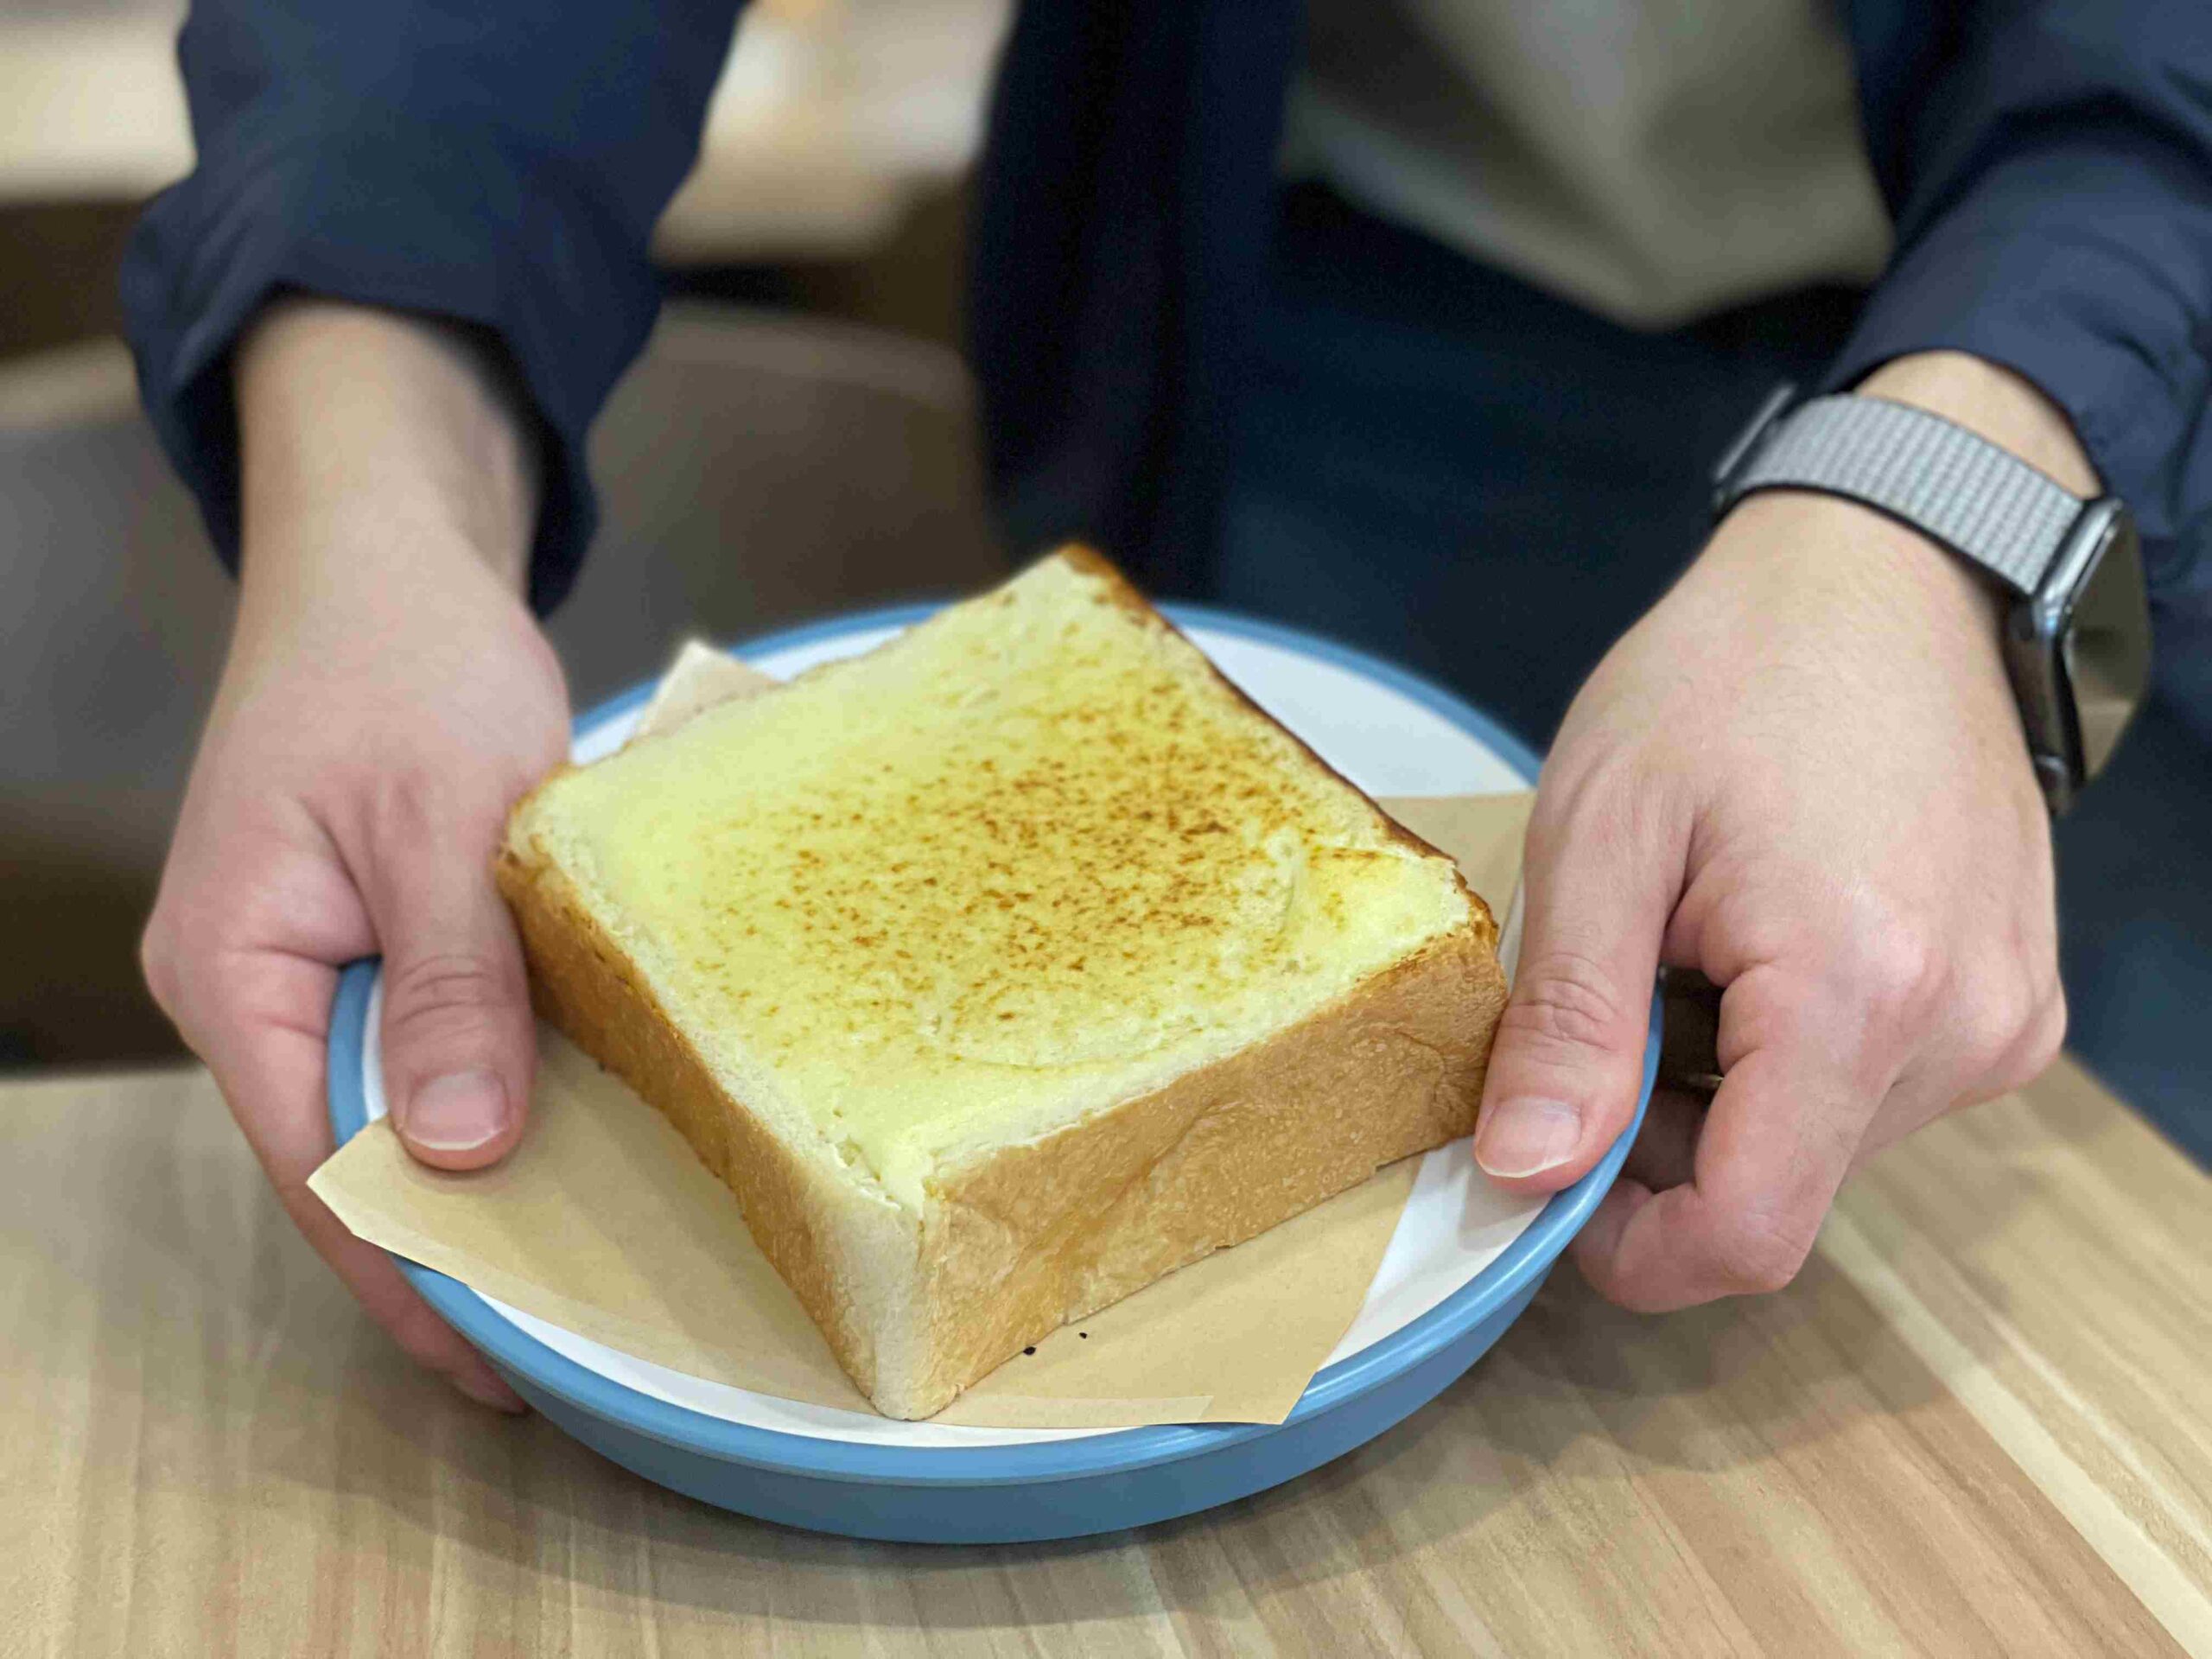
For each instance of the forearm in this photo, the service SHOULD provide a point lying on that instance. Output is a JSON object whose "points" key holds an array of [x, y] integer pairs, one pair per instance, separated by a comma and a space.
{"points": [[373, 442]]}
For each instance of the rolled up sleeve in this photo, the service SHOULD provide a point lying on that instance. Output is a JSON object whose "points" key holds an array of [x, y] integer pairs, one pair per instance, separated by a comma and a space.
{"points": [[501, 164], [2054, 205]]}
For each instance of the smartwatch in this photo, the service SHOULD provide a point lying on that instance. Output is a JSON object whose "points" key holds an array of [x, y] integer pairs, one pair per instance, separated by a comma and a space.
{"points": [[2077, 634]]}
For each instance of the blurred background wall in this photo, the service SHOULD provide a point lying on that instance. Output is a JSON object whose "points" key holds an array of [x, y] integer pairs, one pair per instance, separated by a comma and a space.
{"points": [[798, 438]]}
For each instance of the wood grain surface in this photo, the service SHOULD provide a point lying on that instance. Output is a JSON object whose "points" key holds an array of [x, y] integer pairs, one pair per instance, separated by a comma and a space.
{"points": [[1981, 1422]]}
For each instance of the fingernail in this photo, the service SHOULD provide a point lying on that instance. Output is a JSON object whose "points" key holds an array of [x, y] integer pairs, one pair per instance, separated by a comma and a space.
{"points": [[457, 1112], [1527, 1136]]}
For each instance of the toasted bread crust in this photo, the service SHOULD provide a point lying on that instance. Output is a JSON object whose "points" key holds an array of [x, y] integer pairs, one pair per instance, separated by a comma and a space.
{"points": [[583, 982], [1019, 1244]]}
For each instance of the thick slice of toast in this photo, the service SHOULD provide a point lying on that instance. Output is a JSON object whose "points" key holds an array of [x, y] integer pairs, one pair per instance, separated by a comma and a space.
{"points": [[1004, 969]]}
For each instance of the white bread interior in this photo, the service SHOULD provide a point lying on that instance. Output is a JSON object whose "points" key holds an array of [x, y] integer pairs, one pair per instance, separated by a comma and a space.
{"points": [[1005, 969]]}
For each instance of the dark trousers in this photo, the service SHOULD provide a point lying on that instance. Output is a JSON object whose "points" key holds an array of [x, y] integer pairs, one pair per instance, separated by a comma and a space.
{"points": [[1488, 484]]}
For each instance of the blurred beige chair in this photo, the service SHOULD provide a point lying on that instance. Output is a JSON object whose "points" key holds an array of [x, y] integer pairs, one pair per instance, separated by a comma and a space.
{"points": [[755, 470]]}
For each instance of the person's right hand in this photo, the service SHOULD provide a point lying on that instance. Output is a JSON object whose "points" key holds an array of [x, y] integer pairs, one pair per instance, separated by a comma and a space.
{"points": [[386, 698]]}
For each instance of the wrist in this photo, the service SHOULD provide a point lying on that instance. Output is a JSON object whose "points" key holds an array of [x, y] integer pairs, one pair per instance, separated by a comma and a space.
{"points": [[1982, 397], [1792, 544], [1857, 573], [1991, 401], [378, 449]]}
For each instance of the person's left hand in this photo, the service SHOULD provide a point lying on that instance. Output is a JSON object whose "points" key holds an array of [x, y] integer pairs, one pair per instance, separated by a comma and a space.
{"points": [[1801, 774]]}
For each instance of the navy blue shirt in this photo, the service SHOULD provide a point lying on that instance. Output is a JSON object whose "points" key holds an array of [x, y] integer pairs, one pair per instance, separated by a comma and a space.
{"points": [[2049, 164]]}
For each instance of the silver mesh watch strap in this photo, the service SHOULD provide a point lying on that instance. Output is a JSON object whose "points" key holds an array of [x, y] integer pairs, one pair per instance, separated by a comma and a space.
{"points": [[1945, 481]]}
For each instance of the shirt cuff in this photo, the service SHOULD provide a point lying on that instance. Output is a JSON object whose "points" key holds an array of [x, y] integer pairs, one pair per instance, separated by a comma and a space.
{"points": [[412, 218], [2068, 312]]}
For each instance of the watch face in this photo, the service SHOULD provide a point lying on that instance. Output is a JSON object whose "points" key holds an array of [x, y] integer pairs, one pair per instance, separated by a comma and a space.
{"points": [[2106, 648]]}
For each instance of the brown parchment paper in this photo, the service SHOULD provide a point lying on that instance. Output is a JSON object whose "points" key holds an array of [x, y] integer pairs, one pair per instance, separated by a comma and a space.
{"points": [[603, 1223]]}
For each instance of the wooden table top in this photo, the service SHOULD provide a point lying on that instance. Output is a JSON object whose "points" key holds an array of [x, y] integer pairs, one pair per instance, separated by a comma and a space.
{"points": [[1979, 1422]]}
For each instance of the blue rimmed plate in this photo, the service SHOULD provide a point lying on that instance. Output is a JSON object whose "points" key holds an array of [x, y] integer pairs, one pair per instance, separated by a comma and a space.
{"points": [[1463, 1265]]}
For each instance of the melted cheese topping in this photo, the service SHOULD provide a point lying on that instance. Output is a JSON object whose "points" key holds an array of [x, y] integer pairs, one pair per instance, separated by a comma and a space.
{"points": [[1030, 861]]}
